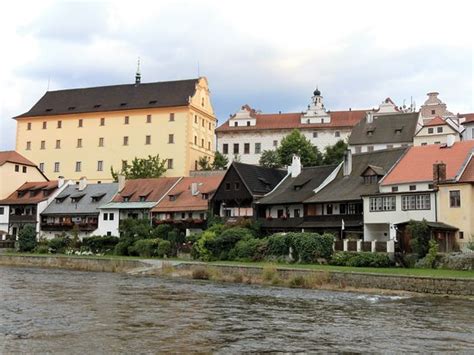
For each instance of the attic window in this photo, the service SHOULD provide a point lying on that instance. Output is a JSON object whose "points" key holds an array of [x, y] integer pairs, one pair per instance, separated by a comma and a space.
{"points": [[123, 104], [97, 197], [370, 179], [152, 102], [70, 108], [370, 133], [205, 196], [398, 131], [142, 198], [61, 198], [97, 106], [49, 110], [126, 198], [172, 197]]}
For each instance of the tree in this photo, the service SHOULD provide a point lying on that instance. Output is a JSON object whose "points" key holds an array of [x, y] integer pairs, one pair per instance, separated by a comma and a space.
{"points": [[205, 163], [334, 154], [297, 143], [27, 238], [141, 168], [270, 159], [420, 237], [220, 161]]}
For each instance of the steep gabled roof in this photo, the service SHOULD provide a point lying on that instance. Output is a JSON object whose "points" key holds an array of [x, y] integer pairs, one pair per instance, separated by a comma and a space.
{"points": [[468, 116], [417, 164], [150, 190], [114, 98], [437, 121], [352, 187], [11, 156], [23, 195], [258, 179], [468, 173], [298, 189], [392, 128]]}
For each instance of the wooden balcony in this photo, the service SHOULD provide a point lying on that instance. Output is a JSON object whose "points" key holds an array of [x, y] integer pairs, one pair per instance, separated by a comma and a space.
{"points": [[19, 218], [83, 227]]}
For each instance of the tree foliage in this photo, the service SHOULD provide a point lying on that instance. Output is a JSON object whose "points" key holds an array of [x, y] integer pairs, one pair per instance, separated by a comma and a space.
{"points": [[420, 237], [205, 163], [270, 159], [27, 238], [334, 154], [220, 161], [141, 168], [297, 143]]}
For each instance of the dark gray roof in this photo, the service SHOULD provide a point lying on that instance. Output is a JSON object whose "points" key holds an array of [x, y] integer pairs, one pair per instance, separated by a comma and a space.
{"points": [[352, 187], [258, 179], [113, 98], [85, 205], [384, 128], [296, 190]]}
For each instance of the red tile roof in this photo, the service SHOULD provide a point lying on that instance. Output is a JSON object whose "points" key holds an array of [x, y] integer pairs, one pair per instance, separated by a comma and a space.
{"points": [[437, 121], [293, 120], [26, 188], [185, 201], [417, 164], [152, 189], [468, 174], [12, 156], [469, 117]]}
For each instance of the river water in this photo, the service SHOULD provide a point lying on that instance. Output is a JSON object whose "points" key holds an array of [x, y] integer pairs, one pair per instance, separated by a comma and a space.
{"points": [[85, 312]]}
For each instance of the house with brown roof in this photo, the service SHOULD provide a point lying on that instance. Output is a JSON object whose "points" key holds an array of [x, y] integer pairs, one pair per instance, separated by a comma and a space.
{"points": [[186, 205], [15, 170], [247, 133], [411, 191], [438, 130], [24, 206]]}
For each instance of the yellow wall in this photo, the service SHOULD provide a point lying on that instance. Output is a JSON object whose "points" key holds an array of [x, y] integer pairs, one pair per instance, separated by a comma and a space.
{"points": [[10, 180], [182, 151], [460, 217]]}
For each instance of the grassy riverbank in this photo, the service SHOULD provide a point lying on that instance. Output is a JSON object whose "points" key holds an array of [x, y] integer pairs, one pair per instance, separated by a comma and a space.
{"points": [[415, 272]]}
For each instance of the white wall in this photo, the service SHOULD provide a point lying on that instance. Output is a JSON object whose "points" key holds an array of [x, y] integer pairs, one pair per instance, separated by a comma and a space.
{"points": [[106, 226], [178, 215], [432, 138], [272, 211], [4, 220], [468, 133], [364, 147]]}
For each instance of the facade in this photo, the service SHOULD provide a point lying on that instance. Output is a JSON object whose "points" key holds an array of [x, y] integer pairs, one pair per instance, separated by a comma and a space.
{"points": [[433, 107], [468, 125], [410, 192], [241, 187], [383, 131], [187, 204], [86, 132], [438, 131], [247, 133], [15, 170], [75, 211], [25, 205]]}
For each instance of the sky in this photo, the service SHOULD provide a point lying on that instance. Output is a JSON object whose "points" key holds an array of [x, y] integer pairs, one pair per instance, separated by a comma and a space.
{"points": [[268, 54]]}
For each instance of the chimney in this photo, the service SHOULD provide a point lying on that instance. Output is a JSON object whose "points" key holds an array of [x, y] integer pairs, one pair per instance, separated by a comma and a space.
{"points": [[295, 167], [347, 165], [439, 173], [370, 117], [60, 181], [194, 189], [82, 183], [450, 138], [121, 182]]}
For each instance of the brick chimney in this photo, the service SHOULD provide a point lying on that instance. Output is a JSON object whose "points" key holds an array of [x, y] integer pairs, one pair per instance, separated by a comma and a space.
{"points": [[439, 173]]}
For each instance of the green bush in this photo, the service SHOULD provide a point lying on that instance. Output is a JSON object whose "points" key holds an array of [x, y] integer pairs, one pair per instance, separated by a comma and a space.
{"points": [[100, 244], [42, 249], [278, 245], [58, 245], [309, 247], [457, 261], [144, 248], [135, 229], [420, 237], [27, 238], [361, 259], [249, 250], [200, 247], [122, 248], [221, 245], [161, 231], [164, 248]]}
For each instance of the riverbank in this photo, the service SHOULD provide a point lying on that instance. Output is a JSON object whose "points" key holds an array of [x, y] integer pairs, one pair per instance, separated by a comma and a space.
{"points": [[304, 276]]}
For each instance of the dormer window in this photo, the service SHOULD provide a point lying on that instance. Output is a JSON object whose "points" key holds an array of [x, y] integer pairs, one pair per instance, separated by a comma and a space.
{"points": [[126, 198], [172, 197], [21, 193], [205, 196], [48, 110], [123, 104], [142, 198], [97, 106], [248, 123], [32, 193], [370, 133], [152, 102], [71, 108], [371, 179]]}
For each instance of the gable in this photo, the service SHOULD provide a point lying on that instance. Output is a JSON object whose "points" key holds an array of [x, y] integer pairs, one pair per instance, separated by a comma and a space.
{"points": [[227, 188]]}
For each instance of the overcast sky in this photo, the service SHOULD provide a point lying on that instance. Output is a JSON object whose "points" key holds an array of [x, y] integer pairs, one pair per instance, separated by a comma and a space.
{"points": [[268, 54]]}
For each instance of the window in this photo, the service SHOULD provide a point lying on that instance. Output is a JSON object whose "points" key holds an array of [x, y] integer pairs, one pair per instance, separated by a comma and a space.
{"points": [[433, 112], [205, 196], [248, 123], [237, 185], [342, 208], [370, 179], [389, 146], [424, 143], [28, 145], [100, 165], [106, 216], [111, 216], [431, 186], [385, 203], [461, 235], [78, 166], [358, 149], [102, 121], [236, 148], [79, 142], [41, 167], [101, 141], [45, 124], [195, 119], [280, 213], [296, 213], [430, 130], [79, 124], [225, 148], [170, 163], [58, 144], [56, 167], [398, 131], [202, 102], [329, 209], [202, 122], [315, 134], [195, 165], [337, 134], [210, 126], [258, 148], [275, 143], [148, 118], [43, 145], [455, 198], [208, 145], [370, 133], [124, 164], [246, 148], [17, 168], [394, 188], [125, 140], [126, 120], [2, 210], [236, 124], [412, 187], [60, 124], [416, 202], [438, 142], [28, 126], [202, 142], [147, 139], [439, 129], [227, 186], [370, 148], [195, 140], [170, 138], [24, 169]]}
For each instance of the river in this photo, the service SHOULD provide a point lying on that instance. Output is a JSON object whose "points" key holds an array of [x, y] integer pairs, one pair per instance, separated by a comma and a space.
{"points": [[49, 310]]}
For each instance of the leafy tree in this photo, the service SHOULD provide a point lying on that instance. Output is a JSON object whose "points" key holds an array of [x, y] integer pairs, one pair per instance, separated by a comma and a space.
{"points": [[270, 159], [150, 167], [420, 237], [334, 154], [220, 161], [297, 143], [205, 163], [27, 238]]}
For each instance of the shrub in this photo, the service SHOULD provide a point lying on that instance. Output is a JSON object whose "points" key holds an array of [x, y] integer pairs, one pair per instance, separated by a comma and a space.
{"points": [[144, 247], [249, 249], [122, 248], [27, 238], [42, 249], [135, 229], [58, 245], [269, 272], [278, 245], [309, 247], [161, 231], [200, 248], [470, 246], [200, 274], [100, 244], [362, 259], [164, 248], [341, 258], [432, 254], [297, 281], [420, 237], [221, 245], [458, 261]]}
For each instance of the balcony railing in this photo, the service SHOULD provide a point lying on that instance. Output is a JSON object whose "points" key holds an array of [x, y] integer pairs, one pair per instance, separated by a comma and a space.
{"points": [[68, 226], [26, 218]]}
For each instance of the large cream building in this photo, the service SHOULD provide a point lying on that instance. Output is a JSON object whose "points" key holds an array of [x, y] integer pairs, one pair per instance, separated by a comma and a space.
{"points": [[84, 132]]}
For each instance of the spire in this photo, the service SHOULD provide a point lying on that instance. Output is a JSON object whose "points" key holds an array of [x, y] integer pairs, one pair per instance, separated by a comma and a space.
{"points": [[138, 76]]}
